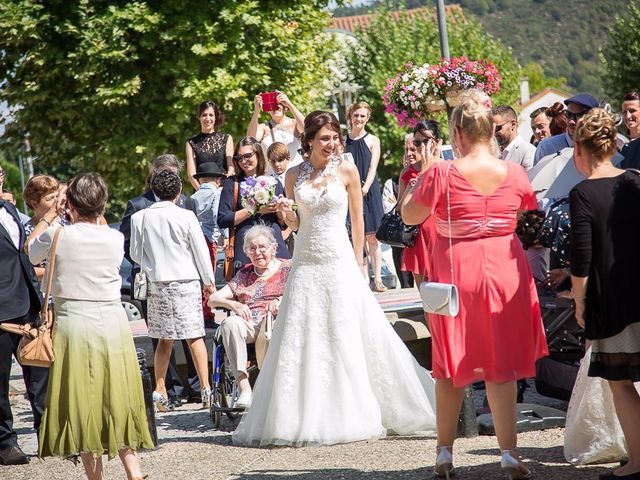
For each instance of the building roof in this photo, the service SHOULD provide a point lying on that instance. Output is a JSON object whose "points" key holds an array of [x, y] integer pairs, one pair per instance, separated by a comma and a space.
{"points": [[542, 93], [350, 24]]}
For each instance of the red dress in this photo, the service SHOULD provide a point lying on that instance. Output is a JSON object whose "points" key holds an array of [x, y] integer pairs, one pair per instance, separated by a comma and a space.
{"points": [[416, 259], [498, 334]]}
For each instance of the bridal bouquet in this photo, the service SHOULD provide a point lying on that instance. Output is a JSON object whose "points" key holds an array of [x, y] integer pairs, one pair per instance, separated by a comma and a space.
{"points": [[257, 192]]}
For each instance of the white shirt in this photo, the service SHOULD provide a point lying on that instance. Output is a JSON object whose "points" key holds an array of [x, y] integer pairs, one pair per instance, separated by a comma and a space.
{"points": [[88, 258], [172, 247], [9, 223]]}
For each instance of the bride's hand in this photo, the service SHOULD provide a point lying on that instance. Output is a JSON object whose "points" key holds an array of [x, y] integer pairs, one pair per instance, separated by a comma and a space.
{"points": [[284, 204]]}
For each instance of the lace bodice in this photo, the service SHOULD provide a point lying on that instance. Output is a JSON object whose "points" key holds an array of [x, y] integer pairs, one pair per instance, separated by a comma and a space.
{"points": [[210, 147], [322, 209]]}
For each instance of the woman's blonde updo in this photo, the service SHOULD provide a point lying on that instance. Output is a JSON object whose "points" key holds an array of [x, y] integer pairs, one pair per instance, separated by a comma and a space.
{"points": [[473, 116], [596, 132]]}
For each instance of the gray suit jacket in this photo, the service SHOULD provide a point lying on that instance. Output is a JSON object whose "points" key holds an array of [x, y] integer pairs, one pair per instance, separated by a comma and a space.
{"points": [[521, 152]]}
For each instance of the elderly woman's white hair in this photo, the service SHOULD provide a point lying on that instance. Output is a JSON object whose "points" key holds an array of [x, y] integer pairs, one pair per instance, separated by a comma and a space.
{"points": [[258, 231]]}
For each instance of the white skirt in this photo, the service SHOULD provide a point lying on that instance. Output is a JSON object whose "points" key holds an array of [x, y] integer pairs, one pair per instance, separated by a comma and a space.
{"points": [[174, 310]]}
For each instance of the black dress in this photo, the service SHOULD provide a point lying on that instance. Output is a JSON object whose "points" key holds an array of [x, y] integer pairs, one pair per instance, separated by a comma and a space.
{"points": [[605, 230], [226, 214], [372, 201], [210, 147]]}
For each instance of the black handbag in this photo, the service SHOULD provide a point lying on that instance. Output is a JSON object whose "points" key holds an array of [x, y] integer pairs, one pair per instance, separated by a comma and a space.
{"points": [[394, 232]]}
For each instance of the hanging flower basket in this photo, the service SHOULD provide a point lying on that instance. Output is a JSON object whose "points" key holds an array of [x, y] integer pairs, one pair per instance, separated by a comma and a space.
{"points": [[420, 91]]}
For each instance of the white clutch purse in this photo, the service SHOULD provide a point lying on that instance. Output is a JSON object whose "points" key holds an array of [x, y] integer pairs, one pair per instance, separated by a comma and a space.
{"points": [[442, 298], [439, 298]]}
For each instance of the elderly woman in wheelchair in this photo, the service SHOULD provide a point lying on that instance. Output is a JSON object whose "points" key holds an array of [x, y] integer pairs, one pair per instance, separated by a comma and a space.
{"points": [[253, 293]]}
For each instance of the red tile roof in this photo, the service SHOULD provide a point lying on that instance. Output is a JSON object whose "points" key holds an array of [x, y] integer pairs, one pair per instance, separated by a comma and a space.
{"points": [[350, 24]]}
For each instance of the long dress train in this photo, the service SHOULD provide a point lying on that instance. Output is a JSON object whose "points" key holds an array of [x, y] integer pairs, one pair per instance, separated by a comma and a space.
{"points": [[335, 371]]}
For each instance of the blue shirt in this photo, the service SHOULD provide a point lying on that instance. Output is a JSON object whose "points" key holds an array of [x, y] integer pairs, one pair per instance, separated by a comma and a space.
{"points": [[206, 201], [552, 145]]}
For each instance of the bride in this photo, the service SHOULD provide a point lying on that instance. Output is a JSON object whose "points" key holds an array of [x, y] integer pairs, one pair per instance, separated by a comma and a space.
{"points": [[335, 370]]}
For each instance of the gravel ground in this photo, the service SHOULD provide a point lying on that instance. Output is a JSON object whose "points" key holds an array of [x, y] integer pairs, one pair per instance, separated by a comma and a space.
{"points": [[191, 449]]}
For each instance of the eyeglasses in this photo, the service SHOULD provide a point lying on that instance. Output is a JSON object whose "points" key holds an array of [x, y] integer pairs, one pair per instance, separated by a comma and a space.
{"points": [[258, 248], [499, 127], [574, 116], [246, 156]]}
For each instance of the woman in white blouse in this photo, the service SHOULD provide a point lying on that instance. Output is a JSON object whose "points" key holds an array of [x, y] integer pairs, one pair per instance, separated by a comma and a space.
{"points": [[95, 403], [167, 243]]}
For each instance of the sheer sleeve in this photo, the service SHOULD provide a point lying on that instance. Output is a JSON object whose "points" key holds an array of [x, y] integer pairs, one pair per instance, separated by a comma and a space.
{"points": [[580, 233]]}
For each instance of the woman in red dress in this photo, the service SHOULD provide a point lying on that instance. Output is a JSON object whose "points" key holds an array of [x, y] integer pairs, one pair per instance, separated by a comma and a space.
{"points": [[416, 259], [498, 334]]}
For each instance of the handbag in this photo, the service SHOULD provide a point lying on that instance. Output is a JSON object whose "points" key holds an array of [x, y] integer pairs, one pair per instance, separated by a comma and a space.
{"points": [[229, 266], [36, 346], [393, 231], [442, 298], [140, 284], [263, 339]]}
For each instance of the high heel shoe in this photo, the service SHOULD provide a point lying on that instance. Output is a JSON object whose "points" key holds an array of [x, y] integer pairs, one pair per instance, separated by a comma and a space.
{"points": [[513, 467], [379, 287], [444, 463]]}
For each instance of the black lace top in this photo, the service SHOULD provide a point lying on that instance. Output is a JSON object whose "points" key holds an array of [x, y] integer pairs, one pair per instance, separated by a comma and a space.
{"points": [[210, 147]]}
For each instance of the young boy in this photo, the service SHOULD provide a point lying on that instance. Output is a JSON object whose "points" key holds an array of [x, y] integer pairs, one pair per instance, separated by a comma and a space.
{"points": [[207, 199], [279, 157]]}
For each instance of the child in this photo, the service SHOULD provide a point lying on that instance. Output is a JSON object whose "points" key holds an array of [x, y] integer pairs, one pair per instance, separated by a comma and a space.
{"points": [[279, 158], [206, 201]]}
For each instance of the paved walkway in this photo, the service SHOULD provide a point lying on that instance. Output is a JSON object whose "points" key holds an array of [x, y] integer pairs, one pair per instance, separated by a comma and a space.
{"points": [[191, 449]]}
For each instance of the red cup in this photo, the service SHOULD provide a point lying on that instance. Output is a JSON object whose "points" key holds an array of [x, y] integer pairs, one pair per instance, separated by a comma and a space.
{"points": [[269, 103]]}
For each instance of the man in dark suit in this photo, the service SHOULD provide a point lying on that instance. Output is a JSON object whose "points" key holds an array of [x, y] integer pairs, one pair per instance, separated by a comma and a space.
{"points": [[175, 388], [20, 302], [631, 154]]}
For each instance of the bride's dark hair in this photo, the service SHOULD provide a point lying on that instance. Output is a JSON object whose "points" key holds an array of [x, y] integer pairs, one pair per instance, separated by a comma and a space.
{"points": [[314, 122]]}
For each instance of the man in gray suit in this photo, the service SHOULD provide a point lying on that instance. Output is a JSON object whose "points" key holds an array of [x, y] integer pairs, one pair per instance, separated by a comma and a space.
{"points": [[512, 147]]}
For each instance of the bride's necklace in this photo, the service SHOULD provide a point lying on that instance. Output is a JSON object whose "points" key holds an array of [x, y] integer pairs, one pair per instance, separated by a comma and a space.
{"points": [[266, 272]]}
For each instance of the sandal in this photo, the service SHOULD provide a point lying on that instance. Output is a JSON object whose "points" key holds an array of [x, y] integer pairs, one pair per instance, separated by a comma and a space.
{"points": [[379, 287]]}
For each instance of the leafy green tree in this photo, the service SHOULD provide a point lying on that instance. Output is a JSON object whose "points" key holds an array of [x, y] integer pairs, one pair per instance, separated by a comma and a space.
{"points": [[538, 80], [106, 85], [389, 42], [621, 72]]}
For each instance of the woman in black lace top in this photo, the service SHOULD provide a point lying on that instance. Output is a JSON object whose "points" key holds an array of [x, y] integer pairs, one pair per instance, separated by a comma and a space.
{"points": [[605, 261], [209, 145]]}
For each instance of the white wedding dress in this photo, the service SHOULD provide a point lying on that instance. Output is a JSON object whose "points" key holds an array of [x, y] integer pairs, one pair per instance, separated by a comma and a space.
{"points": [[335, 370]]}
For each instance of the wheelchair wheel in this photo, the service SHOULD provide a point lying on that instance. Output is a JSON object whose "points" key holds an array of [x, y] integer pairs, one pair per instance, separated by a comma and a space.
{"points": [[227, 389]]}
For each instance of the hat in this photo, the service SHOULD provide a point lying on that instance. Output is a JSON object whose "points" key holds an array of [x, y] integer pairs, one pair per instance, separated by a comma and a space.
{"points": [[584, 99], [209, 169]]}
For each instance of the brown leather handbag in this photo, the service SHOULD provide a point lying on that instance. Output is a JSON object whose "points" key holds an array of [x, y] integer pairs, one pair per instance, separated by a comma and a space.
{"points": [[229, 270], [36, 347]]}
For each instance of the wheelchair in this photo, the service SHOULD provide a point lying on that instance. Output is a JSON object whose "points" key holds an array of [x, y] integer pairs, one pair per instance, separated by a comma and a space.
{"points": [[224, 391]]}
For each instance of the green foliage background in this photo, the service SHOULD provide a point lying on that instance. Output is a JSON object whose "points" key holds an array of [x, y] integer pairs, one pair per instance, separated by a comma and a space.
{"points": [[108, 85], [387, 43], [621, 56], [564, 36]]}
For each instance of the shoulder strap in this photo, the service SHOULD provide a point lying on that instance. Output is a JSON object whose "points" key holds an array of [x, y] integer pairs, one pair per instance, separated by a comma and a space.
{"points": [[449, 221], [51, 269], [232, 230]]}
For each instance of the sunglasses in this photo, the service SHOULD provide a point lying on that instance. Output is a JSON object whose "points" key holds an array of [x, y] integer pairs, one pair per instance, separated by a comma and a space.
{"points": [[497, 128], [574, 116], [246, 156]]}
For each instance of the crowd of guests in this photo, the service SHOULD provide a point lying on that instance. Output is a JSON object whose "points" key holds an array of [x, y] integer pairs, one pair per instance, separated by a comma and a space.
{"points": [[467, 211]]}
